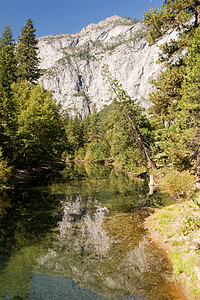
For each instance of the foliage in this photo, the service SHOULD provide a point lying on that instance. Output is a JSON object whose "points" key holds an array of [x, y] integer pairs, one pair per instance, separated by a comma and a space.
{"points": [[177, 183], [176, 109], [174, 118], [174, 14], [32, 126], [27, 54], [97, 146], [40, 131], [5, 171], [7, 70], [7, 106], [124, 152], [189, 107], [133, 121], [7, 37], [74, 132], [167, 94]]}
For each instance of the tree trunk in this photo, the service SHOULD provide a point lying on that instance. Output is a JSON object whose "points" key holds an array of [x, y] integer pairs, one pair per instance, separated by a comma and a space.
{"points": [[140, 140]]}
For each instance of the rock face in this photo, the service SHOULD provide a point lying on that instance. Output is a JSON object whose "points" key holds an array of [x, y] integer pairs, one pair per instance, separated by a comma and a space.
{"points": [[72, 63]]}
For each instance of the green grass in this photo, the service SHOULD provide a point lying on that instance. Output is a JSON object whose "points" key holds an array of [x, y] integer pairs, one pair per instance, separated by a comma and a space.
{"points": [[177, 229]]}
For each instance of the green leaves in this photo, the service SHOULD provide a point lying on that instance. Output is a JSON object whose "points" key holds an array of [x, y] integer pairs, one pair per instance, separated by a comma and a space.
{"points": [[40, 133], [190, 104], [175, 112], [132, 121], [173, 15]]}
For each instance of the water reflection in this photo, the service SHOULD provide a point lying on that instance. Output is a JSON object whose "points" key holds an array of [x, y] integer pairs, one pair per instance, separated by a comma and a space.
{"points": [[83, 239], [82, 231], [108, 254]]}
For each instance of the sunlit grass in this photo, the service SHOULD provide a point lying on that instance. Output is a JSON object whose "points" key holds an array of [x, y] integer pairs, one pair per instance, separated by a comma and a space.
{"points": [[177, 228]]}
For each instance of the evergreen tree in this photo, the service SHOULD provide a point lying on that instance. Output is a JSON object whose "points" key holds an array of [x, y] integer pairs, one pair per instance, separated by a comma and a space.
{"points": [[26, 54], [74, 131], [7, 37], [124, 150], [171, 145], [97, 146], [7, 71], [187, 125], [174, 14], [7, 106], [133, 120]]}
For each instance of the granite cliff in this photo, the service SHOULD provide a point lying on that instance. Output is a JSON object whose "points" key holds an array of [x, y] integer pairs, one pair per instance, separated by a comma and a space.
{"points": [[72, 63]]}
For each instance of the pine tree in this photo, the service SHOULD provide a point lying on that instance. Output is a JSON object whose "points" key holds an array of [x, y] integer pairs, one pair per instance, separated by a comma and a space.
{"points": [[7, 71], [26, 54], [7, 37], [174, 14], [171, 144], [7, 106], [97, 146], [132, 119], [188, 117], [74, 131]]}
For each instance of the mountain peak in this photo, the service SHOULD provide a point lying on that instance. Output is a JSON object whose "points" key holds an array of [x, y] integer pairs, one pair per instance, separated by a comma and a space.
{"points": [[113, 20]]}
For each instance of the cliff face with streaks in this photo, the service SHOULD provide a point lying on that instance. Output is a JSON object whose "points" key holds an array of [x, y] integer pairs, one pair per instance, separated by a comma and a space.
{"points": [[72, 63]]}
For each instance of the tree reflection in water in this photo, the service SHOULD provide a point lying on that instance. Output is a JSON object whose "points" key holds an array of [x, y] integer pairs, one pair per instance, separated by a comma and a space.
{"points": [[109, 254], [83, 239]]}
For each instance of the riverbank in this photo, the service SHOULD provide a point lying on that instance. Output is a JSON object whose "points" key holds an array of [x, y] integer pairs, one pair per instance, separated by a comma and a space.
{"points": [[176, 228], [31, 176]]}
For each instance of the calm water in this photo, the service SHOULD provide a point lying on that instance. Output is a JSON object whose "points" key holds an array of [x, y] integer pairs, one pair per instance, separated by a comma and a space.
{"points": [[82, 237]]}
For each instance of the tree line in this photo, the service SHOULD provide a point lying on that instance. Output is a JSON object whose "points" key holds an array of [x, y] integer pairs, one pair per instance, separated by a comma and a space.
{"points": [[168, 134], [33, 127]]}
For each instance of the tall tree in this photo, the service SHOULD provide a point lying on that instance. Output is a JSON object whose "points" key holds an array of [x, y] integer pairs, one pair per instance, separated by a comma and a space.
{"points": [[7, 70], [40, 133], [26, 54], [181, 17], [97, 146], [7, 106], [74, 131], [7, 37], [174, 14], [133, 118], [188, 117]]}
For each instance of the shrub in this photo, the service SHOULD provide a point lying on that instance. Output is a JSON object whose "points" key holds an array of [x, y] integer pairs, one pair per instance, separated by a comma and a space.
{"points": [[177, 184]]}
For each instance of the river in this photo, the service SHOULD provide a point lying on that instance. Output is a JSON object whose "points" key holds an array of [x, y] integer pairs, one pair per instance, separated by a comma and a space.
{"points": [[80, 236]]}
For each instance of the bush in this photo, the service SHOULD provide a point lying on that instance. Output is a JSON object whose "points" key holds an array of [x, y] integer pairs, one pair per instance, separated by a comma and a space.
{"points": [[80, 154], [177, 184]]}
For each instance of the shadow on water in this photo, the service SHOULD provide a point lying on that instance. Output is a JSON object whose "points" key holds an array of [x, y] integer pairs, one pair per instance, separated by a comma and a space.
{"points": [[83, 237]]}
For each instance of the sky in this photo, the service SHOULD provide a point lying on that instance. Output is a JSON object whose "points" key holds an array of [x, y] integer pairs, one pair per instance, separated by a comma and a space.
{"points": [[67, 16]]}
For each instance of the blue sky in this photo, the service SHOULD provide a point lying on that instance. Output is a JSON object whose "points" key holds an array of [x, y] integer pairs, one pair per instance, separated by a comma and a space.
{"points": [[67, 16]]}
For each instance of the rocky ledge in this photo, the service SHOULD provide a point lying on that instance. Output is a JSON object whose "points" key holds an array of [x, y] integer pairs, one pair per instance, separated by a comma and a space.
{"points": [[72, 63]]}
